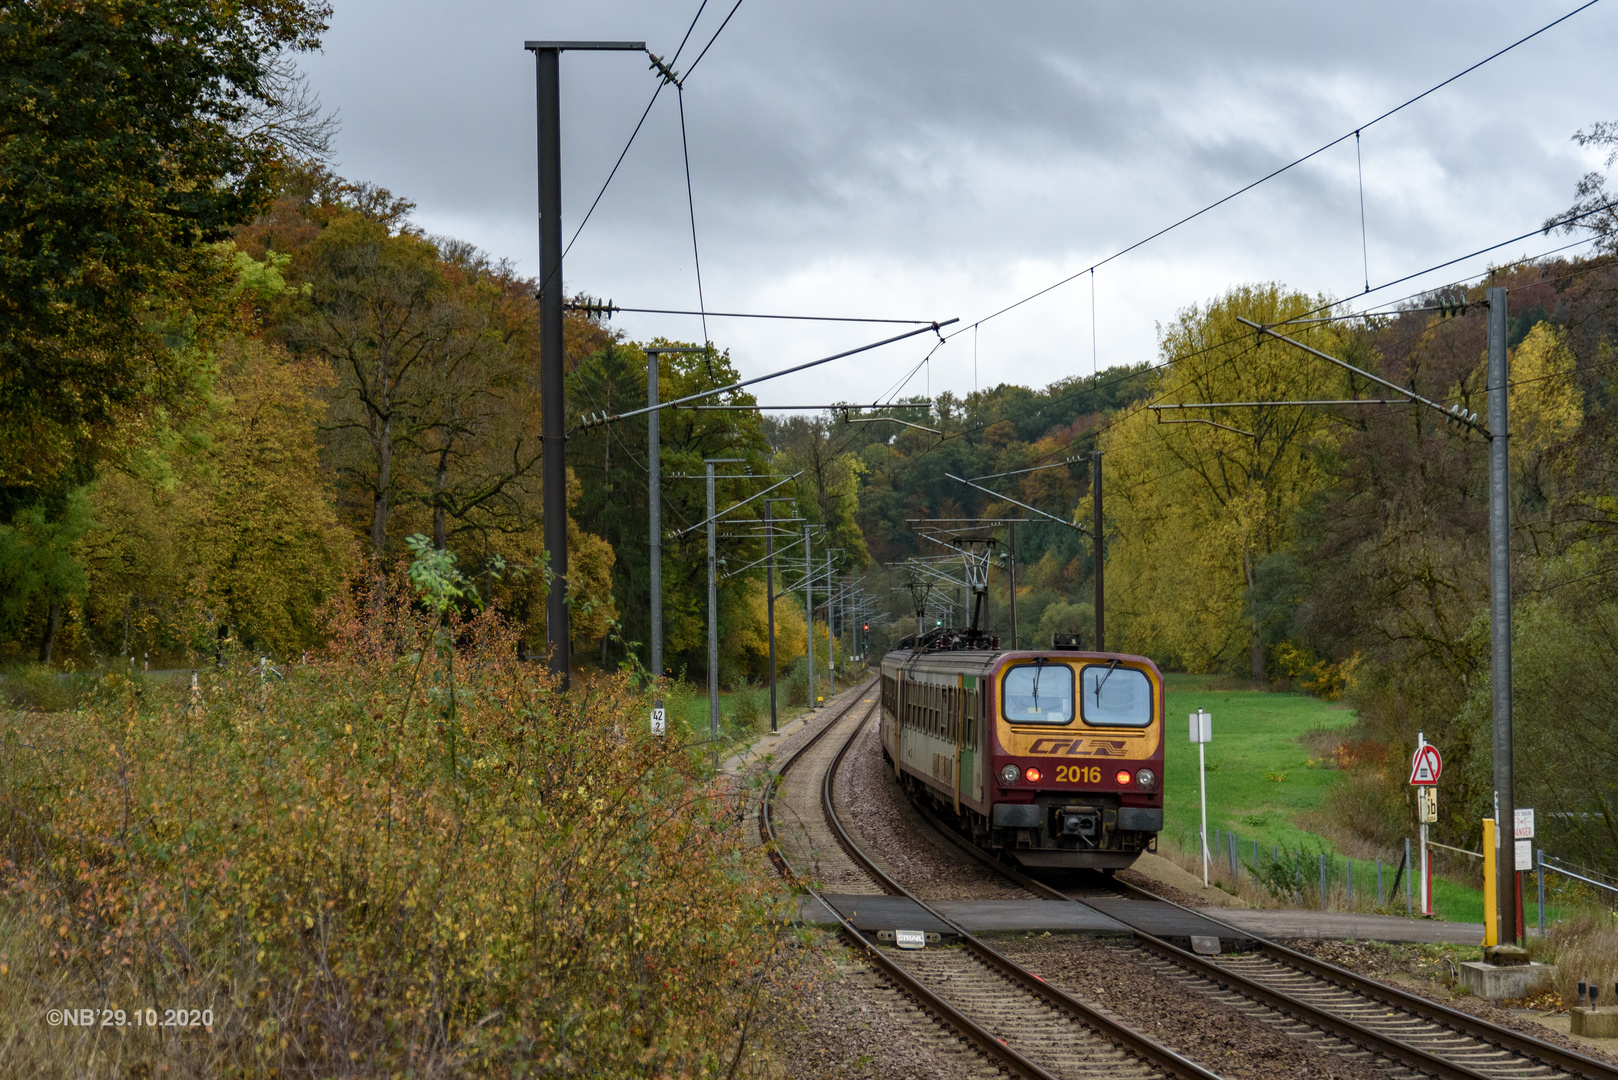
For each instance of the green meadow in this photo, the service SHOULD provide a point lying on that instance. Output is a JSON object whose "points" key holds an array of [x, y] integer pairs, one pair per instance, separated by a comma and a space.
{"points": [[1264, 772]]}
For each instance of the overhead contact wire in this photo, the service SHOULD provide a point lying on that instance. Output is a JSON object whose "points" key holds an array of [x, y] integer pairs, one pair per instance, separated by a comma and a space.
{"points": [[1285, 168], [691, 206]]}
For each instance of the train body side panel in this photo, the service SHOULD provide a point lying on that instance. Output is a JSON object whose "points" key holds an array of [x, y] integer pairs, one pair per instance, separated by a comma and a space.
{"points": [[933, 725]]}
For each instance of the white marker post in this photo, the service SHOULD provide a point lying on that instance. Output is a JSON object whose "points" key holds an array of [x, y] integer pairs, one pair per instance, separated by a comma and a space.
{"points": [[1202, 735], [1523, 832], [660, 721], [1425, 766]]}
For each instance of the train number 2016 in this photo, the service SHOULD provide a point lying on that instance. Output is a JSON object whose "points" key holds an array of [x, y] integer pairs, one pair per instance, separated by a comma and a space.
{"points": [[1077, 774]]}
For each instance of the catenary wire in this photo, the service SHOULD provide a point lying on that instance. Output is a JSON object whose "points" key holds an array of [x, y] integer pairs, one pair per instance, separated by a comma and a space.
{"points": [[721, 30], [757, 315], [691, 206], [642, 121], [1284, 168], [1225, 342]]}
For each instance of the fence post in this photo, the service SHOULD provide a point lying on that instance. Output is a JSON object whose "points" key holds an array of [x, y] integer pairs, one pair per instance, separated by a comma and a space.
{"points": [[1322, 881], [1410, 908], [1539, 859], [1350, 905], [1235, 861]]}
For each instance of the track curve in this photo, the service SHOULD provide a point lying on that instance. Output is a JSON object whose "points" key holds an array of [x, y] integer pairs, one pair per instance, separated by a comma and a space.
{"points": [[1051, 1033]]}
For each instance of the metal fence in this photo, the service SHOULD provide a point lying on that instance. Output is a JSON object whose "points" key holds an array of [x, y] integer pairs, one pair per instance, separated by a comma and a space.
{"points": [[1336, 877], [1603, 892]]}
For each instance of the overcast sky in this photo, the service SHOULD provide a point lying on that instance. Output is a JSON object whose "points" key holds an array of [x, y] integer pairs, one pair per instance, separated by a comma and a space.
{"points": [[942, 158]]}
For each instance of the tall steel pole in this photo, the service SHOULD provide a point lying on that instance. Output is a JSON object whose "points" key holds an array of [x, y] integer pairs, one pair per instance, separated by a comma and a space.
{"points": [[654, 497], [713, 623], [809, 611], [769, 597], [553, 418], [831, 651], [654, 500], [553, 415], [1101, 552], [1011, 571], [1500, 620]]}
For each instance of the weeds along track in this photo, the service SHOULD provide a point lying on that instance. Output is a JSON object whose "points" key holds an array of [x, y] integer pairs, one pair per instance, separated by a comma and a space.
{"points": [[1007, 1012], [1337, 1010]]}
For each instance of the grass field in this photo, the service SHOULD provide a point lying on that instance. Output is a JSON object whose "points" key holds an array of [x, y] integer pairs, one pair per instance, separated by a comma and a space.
{"points": [[1260, 773], [1264, 771]]}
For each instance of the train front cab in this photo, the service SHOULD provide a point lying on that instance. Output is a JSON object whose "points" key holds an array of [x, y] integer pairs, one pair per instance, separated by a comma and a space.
{"points": [[1076, 766]]}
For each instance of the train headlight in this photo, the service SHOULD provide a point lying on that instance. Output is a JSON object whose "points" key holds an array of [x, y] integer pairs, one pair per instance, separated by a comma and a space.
{"points": [[1032, 775], [1145, 778], [1123, 777], [1010, 774]]}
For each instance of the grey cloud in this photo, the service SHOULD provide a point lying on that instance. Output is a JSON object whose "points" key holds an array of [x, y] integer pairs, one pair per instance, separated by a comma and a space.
{"points": [[942, 155]]}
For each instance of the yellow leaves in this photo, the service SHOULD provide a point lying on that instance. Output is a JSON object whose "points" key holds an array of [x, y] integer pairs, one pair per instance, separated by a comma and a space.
{"points": [[435, 904], [1195, 507], [1546, 403]]}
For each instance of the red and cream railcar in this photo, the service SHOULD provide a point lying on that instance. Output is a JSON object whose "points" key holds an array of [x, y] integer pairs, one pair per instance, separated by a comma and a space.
{"points": [[1054, 758]]}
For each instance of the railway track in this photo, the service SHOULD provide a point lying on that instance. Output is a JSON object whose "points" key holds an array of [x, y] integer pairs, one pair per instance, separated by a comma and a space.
{"points": [[1010, 1014], [1338, 1009]]}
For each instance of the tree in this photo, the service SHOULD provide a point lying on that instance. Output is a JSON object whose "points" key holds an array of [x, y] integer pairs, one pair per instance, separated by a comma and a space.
{"points": [[1594, 209], [127, 148], [377, 316], [828, 490], [609, 375], [1195, 509], [230, 531]]}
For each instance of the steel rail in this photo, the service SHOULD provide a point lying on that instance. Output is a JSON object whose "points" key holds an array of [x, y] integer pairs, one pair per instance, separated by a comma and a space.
{"points": [[929, 1000], [1506, 1039], [1137, 1043], [1545, 1053]]}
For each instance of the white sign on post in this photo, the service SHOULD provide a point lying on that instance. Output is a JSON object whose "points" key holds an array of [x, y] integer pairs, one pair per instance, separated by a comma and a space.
{"points": [[1425, 767], [660, 720], [1524, 822], [1201, 727], [1525, 855], [1202, 735]]}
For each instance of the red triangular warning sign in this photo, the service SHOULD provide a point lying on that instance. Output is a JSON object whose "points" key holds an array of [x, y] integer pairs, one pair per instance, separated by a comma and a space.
{"points": [[1425, 765]]}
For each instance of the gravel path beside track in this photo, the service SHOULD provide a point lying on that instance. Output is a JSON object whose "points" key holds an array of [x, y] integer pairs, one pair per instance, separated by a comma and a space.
{"points": [[806, 842]]}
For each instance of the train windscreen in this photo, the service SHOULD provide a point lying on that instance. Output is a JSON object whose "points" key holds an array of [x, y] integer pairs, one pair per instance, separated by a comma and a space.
{"points": [[1038, 694], [1114, 696]]}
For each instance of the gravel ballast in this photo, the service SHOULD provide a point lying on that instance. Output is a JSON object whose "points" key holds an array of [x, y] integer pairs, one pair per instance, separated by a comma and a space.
{"points": [[1108, 977]]}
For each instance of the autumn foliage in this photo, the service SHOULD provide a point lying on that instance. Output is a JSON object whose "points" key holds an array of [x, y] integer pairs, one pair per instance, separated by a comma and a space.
{"points": [[400, 858]]}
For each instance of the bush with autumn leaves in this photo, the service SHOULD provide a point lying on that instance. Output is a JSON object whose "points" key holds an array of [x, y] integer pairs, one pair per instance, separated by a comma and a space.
{"points": [[412, 855]]}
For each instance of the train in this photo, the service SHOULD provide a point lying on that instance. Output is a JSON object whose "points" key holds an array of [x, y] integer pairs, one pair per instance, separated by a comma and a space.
{"points": [[1052, 758]]}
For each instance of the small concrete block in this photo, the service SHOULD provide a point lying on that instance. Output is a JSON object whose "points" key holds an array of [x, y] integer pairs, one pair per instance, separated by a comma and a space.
{"points": [[1513, 981], [1595, 1023], [1204, 946]]}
